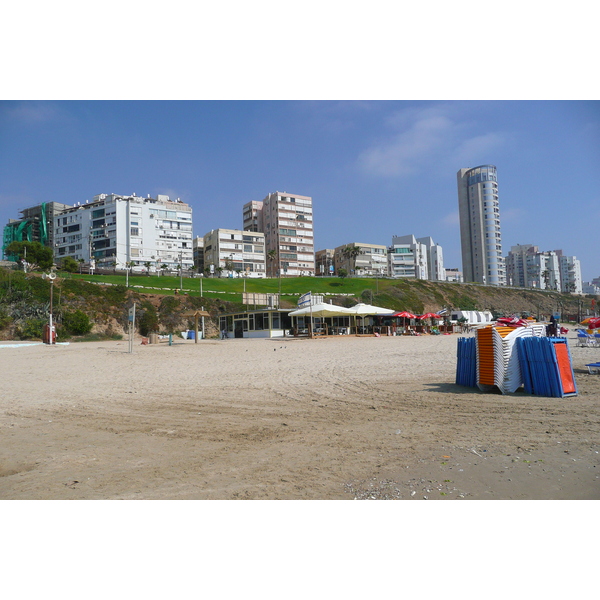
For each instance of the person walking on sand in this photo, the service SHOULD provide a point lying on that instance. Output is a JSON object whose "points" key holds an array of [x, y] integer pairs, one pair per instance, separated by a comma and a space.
{"points": [[224, 334]]}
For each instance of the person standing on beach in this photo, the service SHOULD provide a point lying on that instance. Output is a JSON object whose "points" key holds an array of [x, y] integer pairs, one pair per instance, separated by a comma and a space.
{"points": [[224, 334]]}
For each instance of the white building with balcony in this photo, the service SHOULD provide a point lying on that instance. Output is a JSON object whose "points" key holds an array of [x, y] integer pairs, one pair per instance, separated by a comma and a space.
{"points": [[359, 259], [411, 257], [232, 252], [287, 223], [126, 231]]}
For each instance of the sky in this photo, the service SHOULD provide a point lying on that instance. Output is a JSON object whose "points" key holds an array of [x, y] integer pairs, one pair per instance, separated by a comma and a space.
{"points": [[374, 168]]}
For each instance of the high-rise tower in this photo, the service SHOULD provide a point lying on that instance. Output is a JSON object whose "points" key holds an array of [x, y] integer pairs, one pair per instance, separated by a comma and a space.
{"points": [[480, 238]]}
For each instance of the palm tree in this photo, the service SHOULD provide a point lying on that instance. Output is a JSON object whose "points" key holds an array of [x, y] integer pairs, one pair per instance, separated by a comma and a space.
{"points": [[271, 257], [350, 253]]}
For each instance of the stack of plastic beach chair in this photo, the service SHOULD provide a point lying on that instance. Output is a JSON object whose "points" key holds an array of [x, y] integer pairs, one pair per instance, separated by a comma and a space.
{"points": [[494, 359]]}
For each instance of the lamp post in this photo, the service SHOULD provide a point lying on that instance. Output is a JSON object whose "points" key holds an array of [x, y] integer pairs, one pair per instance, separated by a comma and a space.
{"points": [[51, 277]]}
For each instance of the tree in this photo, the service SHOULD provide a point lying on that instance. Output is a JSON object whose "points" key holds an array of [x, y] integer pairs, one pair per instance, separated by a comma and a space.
{"points": [[350, 253], [147, 265], [342, 273], [271, 257], [69, 264], [33, 253]]}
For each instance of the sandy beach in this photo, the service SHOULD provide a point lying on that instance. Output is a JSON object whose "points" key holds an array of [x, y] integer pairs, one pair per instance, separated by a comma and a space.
{"points": [[336, 418]]}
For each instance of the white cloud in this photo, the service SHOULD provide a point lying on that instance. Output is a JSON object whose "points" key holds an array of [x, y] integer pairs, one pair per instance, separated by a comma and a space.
{"points": [[32, 112], [476, 150], [403, 153], [422, 137]]}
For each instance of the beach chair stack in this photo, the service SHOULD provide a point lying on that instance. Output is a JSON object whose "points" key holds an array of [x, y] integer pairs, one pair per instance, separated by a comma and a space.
{"points": [[466, 364], [496, 358], [547, 367]]}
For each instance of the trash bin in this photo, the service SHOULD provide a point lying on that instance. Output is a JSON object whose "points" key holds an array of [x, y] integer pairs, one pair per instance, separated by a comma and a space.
{"points": [[191, 335], [154, 338], [46, 334]]}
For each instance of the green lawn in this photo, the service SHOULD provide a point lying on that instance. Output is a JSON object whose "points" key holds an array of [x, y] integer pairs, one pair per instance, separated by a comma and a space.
{"points": [[231, 289]]}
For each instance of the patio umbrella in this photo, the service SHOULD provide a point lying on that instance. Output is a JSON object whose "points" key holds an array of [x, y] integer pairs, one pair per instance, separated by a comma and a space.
{"points": [[592, 322], [361, 310], [431, 316], [364, 310], [405, 314], [321, 310]]}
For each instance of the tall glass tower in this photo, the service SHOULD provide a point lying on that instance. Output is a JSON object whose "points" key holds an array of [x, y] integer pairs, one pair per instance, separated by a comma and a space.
{"points": [[480, 238]]}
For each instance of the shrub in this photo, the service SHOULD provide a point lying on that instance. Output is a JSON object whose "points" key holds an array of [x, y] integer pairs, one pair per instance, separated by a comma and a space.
{"points": [[77, 323], [31, 329]]}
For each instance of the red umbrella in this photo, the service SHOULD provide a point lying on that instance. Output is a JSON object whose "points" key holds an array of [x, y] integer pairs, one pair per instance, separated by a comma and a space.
{"points": [[594, 323], [430, 316], [404, 314]]}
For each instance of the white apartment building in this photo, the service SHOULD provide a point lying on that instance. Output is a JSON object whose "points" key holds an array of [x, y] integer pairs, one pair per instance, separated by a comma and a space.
{"points": [[232, 252], [526, 266], [120, 231], [287, 223], [480, 237], [570, 273], [435, 259], [362, 260], [416, 258]]}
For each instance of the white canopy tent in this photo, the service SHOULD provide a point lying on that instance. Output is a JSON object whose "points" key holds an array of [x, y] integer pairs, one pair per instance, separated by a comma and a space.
{"points": [[321, 310]]}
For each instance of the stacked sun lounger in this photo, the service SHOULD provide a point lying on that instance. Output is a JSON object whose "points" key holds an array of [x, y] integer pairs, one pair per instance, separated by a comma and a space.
{"points": [[466, 364], [493, 359], [547, 367]]}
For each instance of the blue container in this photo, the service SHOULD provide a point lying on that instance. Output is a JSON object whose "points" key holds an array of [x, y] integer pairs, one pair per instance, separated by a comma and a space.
{"points": [[191, 335]]}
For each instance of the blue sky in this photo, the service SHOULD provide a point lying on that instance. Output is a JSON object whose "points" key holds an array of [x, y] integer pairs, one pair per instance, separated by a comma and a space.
{"points": [[374, 168]]}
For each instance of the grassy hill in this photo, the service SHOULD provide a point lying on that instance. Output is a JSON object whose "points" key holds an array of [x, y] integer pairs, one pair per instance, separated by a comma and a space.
{"points": [[105, 299]]}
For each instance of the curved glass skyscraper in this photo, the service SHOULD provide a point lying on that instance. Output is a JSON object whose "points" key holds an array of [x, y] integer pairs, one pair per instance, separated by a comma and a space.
{"points": [[480, 237]]}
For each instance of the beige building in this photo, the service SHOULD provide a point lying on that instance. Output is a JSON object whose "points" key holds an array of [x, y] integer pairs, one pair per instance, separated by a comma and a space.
{"points": [[359, 259], [232, 252], [324, 264], [287, 223]]}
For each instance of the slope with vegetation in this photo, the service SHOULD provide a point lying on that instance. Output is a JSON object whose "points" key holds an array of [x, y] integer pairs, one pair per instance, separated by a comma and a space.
{"points": [[96, 306]]}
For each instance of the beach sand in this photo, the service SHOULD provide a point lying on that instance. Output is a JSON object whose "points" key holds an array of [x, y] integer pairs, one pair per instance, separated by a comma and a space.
{"points": [[336, 418]]}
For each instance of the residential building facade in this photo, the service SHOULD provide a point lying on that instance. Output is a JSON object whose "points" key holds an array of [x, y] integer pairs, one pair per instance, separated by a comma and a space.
{"points": [[324, 263], [480, 234], [366, 260], [116, 231], [527, 267], [35, 225], [235, 252], [416, 258], [287, 223], [435, 259], [198, 253]]}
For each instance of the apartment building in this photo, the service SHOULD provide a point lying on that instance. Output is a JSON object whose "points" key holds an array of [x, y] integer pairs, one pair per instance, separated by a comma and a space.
{"points": [[416, 258], [198, 253], [570, 273], [233, 252], [35, 225], [119, 231], [324, 265], [527, 267], [480, 235], [435, 259], [287, 223], [359, 259]]}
